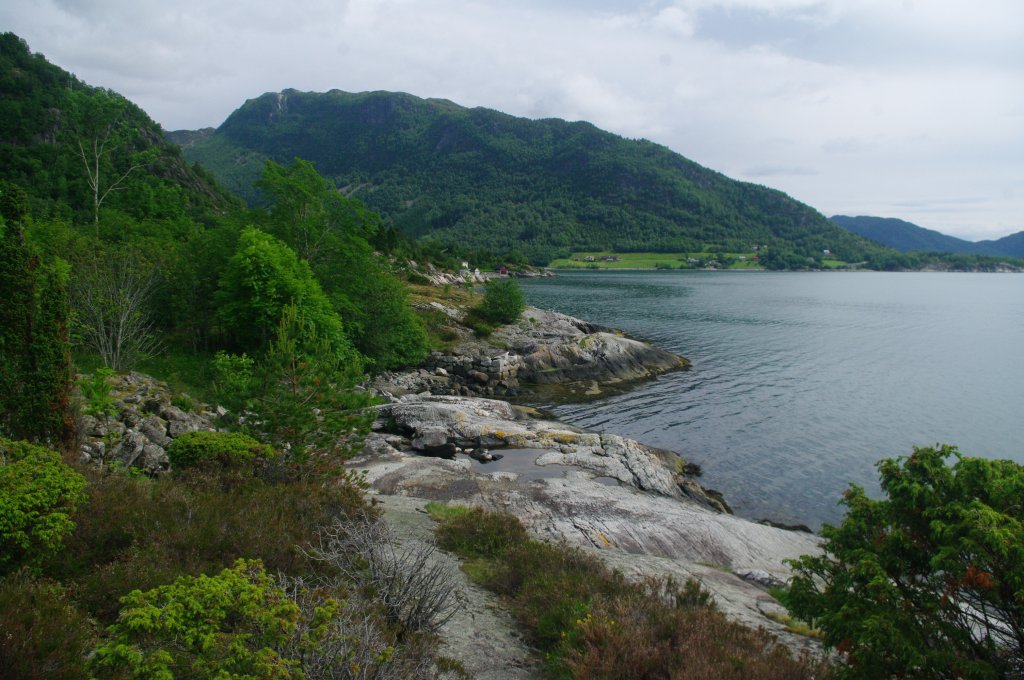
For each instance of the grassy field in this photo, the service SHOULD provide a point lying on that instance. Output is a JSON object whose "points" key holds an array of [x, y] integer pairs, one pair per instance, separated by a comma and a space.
{"points": [[650, 261]]}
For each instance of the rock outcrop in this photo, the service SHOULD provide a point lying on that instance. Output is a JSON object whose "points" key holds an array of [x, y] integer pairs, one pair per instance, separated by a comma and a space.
{"points": [[558, 349], [628, 502], [143, 422], [542, 349]]}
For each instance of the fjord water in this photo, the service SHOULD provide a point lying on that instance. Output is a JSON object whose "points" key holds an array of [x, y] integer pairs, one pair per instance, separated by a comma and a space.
{"points": [[802, 381]]}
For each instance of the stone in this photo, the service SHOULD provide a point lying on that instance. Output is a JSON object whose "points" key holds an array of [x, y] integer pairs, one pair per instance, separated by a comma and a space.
{"points": [[430, 437], [479, 376]]}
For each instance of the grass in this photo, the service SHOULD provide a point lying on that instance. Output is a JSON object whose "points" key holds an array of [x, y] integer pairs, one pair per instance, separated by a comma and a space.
{"points": [[648, 260], [590, 622]]}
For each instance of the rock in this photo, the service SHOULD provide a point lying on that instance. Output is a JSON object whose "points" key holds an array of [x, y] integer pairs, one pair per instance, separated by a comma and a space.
{"points": [[644, 526], [144, 426], [760, 577], [481, 454], [440, 372], [479, 376], [129, 449], [153, 459], [430, 437], [155, 430]]}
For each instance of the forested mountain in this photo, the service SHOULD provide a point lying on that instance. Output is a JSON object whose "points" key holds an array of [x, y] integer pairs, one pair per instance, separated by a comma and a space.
{"points": [[77, 149], [484, 178], [907, 237]]}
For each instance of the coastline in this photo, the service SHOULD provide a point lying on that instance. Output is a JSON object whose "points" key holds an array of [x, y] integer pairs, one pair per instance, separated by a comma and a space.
{"points": [[443, 436]]}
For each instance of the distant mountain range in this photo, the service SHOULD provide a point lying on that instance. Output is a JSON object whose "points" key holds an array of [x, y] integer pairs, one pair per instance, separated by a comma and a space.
{"points": [[482, 178], [907, 237]]}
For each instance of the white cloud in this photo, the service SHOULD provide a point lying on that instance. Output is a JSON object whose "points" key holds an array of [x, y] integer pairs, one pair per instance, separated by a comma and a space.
{"points": [[863, 106]]}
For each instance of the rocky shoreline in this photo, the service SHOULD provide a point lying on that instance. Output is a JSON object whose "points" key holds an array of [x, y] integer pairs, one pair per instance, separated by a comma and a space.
{"points": [[444, 436]]}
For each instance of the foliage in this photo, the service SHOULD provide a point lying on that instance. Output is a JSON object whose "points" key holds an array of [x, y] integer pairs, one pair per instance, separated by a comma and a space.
{"points": [[302, 401], [35, 362], [95, 392], [330, 231], [222, 450], [138, 533], [41, 124], [43, 636], [38, 494], [503, 301], [928, 582], [230, 625], [262, 278], [591, 622]]}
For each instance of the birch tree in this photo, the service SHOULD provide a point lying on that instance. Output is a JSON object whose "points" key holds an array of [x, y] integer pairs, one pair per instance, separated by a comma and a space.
{"points": [[101, 132]]}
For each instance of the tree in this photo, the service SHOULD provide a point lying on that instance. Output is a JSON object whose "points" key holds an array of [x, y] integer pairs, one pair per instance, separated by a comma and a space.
{"points": [[112, 292], [38, 495], [101, 130], [929, 582], [330, 231], [35, 362], [503, 301], [303, 399], [262, 278]]}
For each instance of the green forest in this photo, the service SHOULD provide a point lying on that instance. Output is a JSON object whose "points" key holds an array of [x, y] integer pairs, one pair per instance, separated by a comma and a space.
{"points": [[542, 188]]}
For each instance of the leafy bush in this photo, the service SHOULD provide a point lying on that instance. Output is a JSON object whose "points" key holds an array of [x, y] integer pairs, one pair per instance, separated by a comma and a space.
{"points": [[234, 624], [223, 450], [928, 582], [503, 301], [38, 494]]}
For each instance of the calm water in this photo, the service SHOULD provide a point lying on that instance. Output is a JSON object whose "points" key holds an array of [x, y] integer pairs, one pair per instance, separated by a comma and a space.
{"points": [[800, 382]]}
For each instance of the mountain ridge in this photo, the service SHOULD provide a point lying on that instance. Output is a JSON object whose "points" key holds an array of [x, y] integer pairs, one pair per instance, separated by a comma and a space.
{"points": [[907, 237], [484, 178]]}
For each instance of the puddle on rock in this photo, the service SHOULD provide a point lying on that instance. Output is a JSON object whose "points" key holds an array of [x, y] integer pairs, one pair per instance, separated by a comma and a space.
{"points": [[523, 462]]}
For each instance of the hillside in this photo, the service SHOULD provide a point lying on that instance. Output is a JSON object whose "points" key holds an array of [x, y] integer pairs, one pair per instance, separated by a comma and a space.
{"points": [[908, 237], [46, 112], [479, 177]]}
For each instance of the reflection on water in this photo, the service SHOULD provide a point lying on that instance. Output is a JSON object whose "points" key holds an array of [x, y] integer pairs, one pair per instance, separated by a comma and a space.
{"points": [[800, 382]]}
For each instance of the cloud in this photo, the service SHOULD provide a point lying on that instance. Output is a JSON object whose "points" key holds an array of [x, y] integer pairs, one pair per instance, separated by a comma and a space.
{"points": [[849, 105]]}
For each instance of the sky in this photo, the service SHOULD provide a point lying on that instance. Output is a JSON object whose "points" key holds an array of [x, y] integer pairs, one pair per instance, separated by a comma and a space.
{"points": [[895, 108]]}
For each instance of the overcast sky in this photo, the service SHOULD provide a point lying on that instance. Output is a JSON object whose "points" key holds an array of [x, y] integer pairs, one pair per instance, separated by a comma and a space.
{"points": [[898, 108]]}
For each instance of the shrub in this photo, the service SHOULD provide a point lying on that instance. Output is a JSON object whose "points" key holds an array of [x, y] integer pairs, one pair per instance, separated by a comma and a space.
{"points": [[230, 625], [140, 533], [592, 623], [42, 635], [927, 582], [503, 301], [38, 494], [224, 450], [416, 591]]}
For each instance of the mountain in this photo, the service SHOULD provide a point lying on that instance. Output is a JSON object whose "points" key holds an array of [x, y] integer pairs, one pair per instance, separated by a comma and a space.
{"points": [[46, 112], [478, 177], [907, 237]]}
